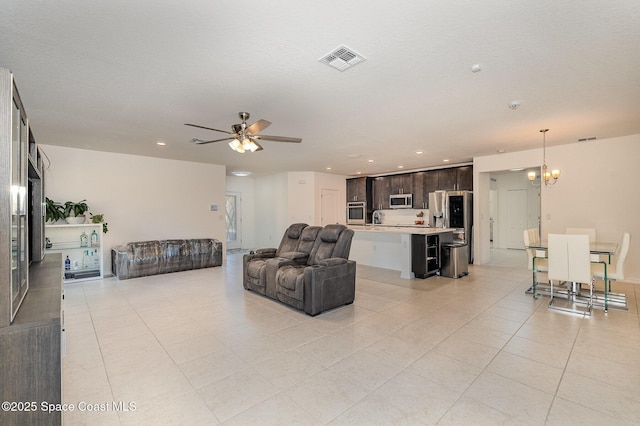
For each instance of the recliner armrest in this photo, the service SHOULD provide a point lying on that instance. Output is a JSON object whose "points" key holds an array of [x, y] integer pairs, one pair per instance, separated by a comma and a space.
{"points": [[297, 256], [266, 252], [332, 261]]}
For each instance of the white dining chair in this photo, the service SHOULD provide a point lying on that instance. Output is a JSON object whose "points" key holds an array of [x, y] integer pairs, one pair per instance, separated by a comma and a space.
{"points": [[569, 262], [591, 232], [614, 272], [536, 259]]}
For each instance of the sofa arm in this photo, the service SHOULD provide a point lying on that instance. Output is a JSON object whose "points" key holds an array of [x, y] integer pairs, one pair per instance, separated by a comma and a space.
{"points": [[271, 269], [332, 261], [329, 286], [297, 256], [120, 261], [266, 252]]}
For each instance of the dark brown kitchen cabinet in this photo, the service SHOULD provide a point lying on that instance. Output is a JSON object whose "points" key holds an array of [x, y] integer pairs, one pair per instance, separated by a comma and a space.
{"points": [[430, 184], [402, 184], [447, 179], [451, 179], [359, 189], [464, 178], [420, 196], [381, 192]]}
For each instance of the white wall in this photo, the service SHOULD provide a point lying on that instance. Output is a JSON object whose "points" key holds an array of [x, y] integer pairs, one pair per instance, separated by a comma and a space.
{"points": [[142, 198], [291, 197], [271, 206], [597, 188]]}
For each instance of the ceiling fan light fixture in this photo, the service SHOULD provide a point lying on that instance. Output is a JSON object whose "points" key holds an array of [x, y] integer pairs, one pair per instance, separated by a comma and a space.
{"points": [[236, 146]]}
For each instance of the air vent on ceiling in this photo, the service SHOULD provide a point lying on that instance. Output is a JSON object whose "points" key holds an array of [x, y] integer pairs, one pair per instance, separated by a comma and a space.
{"points": [[342, 58]]}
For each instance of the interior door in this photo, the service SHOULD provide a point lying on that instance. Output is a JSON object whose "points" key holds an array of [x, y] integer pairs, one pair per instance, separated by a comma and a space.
{"points": [[517, 217], [329, 207], [234, 221]]}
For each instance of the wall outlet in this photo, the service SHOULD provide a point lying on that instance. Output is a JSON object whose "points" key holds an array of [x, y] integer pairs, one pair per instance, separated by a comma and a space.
{"points": [[213, 208]]}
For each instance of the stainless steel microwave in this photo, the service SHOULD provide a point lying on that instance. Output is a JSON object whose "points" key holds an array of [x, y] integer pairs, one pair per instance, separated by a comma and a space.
{"points": [[401, 201], [356, 213]]}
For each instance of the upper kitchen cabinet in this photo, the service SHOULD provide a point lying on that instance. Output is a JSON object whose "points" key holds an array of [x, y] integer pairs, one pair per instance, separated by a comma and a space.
{"points": [[430, 184], [359, 189], [464, 178], [447, 179], [402, 184], [420, 196], [455, 179], [381, 192]]}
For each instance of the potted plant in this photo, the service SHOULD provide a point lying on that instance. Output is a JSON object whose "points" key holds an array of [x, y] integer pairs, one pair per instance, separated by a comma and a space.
{"points": [[54, 211], [99, 218], [74, 212]]}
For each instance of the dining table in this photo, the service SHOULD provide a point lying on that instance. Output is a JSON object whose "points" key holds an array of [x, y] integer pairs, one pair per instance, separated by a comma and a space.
{"points": [[596, 249]]}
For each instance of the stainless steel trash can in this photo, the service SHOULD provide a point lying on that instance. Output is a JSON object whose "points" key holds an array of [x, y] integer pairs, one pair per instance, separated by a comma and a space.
{"points": [[454, 262]]}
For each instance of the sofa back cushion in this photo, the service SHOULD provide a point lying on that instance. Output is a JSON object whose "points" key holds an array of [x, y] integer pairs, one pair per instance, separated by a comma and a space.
{"points": [[290, 238], [308, 239], [332, 241]]}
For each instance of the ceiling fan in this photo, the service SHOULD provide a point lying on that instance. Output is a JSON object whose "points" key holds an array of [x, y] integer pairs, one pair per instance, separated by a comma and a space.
{"points": [[245, 138]]}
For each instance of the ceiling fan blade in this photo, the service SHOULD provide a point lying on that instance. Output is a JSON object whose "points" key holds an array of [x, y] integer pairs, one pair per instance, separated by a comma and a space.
{"points": [[208, 128], [201, 142], [258, 126], [278, 138]]}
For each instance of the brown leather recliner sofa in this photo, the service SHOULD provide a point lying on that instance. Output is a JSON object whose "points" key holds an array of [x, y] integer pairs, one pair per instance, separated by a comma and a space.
{"points": [[310, 270]]}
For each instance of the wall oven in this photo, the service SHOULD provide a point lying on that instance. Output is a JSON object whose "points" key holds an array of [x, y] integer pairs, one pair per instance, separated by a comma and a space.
{"points": [[356, 213]]}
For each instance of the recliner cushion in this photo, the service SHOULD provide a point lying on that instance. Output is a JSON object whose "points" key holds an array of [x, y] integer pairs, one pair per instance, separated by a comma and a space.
{"points": [[255, 267]]}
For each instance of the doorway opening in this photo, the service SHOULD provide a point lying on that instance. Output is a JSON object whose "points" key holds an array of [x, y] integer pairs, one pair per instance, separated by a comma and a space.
{"points": [[233, 220], [514, 205]]}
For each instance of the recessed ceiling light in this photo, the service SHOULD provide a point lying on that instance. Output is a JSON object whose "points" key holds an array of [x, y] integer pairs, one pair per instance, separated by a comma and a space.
{"points": [[241, 174], [401, 167], [500, 151], [419, 152], [370, 160], [446, 160], [517, 169], [358, 173], [476, 68], [161, 143], [328, 168], [354, 156]]}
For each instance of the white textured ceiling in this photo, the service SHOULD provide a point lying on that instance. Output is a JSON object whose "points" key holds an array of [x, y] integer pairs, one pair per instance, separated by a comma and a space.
{"points": [[120, 75]]}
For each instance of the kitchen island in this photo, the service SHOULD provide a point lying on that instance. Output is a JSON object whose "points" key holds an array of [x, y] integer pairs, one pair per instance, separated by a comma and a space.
{"points": [[388, 246]]}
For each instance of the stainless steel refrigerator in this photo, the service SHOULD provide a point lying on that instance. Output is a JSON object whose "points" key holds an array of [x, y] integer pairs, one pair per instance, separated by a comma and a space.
{"points": [[453, 209]]}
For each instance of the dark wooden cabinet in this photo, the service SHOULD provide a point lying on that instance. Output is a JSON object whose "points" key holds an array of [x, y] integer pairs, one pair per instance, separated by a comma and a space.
{"points": [[381, 192], [420, 196], [31, 348], [401, 184], [430, 184], [447, 179], [359, 189], [376, 191], [464, 178]]}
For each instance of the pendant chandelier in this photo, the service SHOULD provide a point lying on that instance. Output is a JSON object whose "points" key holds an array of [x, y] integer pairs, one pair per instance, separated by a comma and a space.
{"points": [[548, 177]]}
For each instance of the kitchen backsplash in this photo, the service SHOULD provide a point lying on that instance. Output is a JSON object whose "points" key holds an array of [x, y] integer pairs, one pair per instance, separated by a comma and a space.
{"points": [[403, 216]]}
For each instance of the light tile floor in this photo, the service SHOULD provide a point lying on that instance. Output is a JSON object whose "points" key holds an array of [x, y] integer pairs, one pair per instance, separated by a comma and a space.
{"points": [[195, 348]]}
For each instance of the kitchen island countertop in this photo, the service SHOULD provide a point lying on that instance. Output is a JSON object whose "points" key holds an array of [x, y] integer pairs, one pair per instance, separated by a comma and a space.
{"points": [[388, 246]]}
